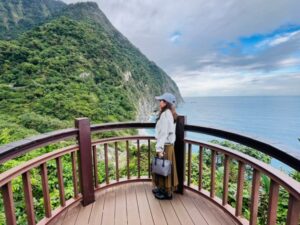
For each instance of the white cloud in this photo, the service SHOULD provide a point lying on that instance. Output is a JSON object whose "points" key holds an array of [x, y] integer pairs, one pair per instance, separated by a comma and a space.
{"points": [[284, 38], [151, 25], [278, 39], [217, 82], [292, 61]]}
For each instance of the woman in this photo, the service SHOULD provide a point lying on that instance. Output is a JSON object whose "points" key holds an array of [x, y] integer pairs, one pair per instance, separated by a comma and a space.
{"points": [[165, 136]]}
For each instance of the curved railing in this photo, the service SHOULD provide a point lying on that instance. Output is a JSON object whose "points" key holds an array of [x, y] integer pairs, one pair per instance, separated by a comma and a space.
{"points": [[17, 148], [139, 148], [24, 170], [278, 179], [262, 146]]}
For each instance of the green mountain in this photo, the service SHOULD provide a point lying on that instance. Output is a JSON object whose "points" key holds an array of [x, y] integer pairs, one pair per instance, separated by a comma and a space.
{"points": [[76, 64], [17, 16]]}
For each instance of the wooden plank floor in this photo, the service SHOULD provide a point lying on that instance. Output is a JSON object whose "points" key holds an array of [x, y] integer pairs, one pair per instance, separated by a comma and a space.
{"points": [[134, 203]]}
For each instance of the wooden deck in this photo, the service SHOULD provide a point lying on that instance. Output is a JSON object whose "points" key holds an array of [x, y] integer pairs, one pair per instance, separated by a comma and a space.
{"points": [[134, 203]]}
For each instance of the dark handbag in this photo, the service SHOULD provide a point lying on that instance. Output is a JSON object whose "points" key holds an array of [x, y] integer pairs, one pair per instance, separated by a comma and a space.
{"points": [[161, 166]]}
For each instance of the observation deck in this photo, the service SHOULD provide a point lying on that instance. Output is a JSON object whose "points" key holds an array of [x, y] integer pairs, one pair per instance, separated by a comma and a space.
{"points": [[107, 180], [133, 203]]}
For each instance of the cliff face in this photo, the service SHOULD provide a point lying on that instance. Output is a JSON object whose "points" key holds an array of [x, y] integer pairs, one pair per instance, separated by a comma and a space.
{"points": [[158, 81], [76, 64]]}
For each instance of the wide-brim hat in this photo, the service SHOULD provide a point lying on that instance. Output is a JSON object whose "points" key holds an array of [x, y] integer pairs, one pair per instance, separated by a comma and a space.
{"points": [[168, 97]]}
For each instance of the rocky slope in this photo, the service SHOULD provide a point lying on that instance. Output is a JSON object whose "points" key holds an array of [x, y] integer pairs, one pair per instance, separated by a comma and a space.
{"points": [[76, 64]]}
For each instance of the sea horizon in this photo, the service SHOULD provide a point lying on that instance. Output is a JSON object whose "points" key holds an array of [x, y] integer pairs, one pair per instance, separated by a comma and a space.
{"points": [[272, 119]]}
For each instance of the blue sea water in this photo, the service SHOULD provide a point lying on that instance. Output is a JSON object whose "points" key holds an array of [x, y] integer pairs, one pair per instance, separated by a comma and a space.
{"points": [[275, 120]]}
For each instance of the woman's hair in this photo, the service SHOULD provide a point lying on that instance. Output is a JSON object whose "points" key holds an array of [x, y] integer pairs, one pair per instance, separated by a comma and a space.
{"points": [[171, 108]]}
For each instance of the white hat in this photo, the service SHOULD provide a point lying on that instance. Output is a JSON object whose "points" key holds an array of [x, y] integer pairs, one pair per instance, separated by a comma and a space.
{"points": [[168, 97]]}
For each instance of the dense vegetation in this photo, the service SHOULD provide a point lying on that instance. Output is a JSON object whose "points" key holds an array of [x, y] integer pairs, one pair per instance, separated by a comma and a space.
{"points": [[60, 77], [17, 16], [74, 63], [71, 68]]}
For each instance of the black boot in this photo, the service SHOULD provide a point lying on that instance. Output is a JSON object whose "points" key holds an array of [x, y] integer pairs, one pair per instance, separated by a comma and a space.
{"points": [[163, 195], [155, 190]]}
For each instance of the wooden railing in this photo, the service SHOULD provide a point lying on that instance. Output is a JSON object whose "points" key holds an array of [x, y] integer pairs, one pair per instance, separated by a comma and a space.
{"points": [[277, 179], [85, 160], [23, 170]]}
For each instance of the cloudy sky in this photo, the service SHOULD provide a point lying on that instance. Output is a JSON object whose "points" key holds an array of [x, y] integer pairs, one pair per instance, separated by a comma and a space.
{"points": [[216, 47]]}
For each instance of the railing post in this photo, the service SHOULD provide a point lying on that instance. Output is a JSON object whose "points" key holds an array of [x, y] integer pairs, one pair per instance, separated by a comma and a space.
{"points": [[180, 151], [85, 160], [293, 211], [8, 202]]}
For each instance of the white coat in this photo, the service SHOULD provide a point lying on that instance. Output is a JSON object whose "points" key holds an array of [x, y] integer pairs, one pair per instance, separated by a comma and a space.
{"points": [[165, 130]]}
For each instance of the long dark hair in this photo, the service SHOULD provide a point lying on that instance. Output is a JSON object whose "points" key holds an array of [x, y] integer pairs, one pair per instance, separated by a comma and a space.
{"points": [[171, 108]]}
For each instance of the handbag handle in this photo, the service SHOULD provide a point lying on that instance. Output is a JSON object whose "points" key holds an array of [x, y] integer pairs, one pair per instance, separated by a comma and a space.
{"points": [[164, 156], [162, 159]]}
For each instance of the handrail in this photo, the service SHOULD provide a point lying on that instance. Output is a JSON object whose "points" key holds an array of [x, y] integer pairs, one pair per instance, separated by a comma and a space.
{"points": [[124, 138], [17, 148], [20, 147], [8, 175], [261, 146], [281, 178], [118, 126]]}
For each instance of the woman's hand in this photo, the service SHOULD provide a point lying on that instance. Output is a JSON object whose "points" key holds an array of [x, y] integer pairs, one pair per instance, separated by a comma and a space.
{"points": [[161, 154]]}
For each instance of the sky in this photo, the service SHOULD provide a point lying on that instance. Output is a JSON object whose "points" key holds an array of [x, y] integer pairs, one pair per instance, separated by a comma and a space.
{"points": [[216, 47]]}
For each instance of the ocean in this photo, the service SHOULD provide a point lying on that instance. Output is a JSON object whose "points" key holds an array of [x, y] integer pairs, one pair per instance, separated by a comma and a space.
{"points": [[275, 120]]}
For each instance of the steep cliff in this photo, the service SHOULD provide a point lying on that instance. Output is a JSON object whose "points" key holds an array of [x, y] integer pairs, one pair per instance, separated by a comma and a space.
{"points": [[76, 64]]}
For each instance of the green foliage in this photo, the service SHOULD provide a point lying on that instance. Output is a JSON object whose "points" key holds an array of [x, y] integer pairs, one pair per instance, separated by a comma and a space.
{"points": [[296, 175], [4, 136], [41, 123], [66, 69], [10, 131], [18, 16], [244, 149]]}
